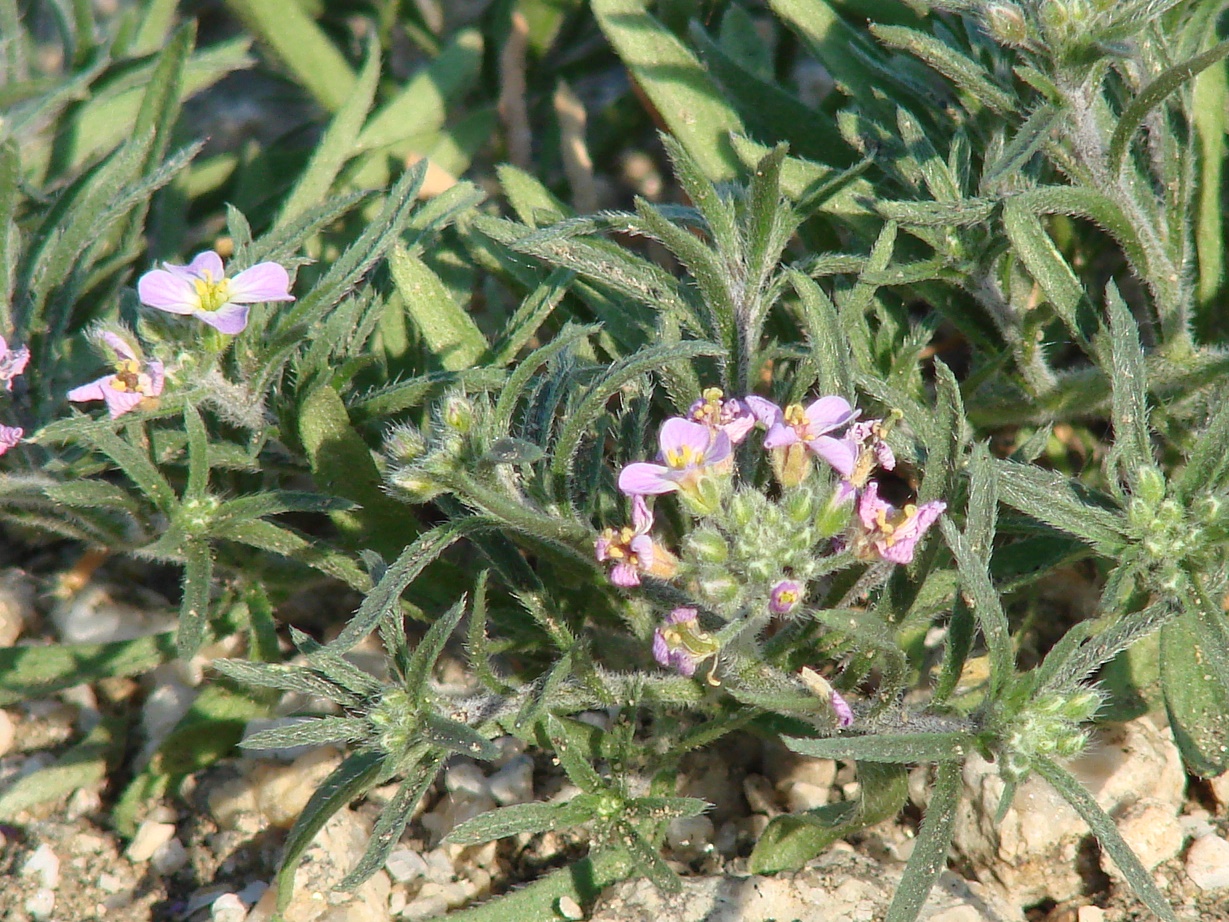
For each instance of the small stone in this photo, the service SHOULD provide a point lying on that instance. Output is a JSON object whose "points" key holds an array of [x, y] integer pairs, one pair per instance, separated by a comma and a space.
{"points": [[228, 908], [1220, 788], [958, 914], [692, 834], [467, 777], [251, 893], [1152, 830], [1207, 863], [282, 791], [16, 605], [41, 904], [397, 901], [513, 784], [149, 838], [83, 802], [8, 733], [110, 883], [569, 908], [45, 864], [168, 858], [761, 797], [801, 796], [1090, 914], [404, 865]]}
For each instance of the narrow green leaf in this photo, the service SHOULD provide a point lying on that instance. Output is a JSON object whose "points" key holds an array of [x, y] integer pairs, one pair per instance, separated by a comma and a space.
{"points": [[138, 468], [830, 358], [681, 90], [448, 331], [1195, 681], [1208, 111], [1066, 504], [84, 764], [198, 455], [523, 818], [339, 143], [902, 748], [1050, 270], [418, 671], [1102, 826], [1162, 86], [1131, 452], [302, 46], [984, 602], [37, 672], [353, 778], [934, 839], [194, 609], [968, 75], [570, 750], [529, 317], [317, 731]]}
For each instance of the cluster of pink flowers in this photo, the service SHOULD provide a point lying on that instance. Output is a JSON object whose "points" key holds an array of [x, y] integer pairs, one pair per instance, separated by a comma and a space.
{"points": [[697, 449], [12, 363], [199, 289]]}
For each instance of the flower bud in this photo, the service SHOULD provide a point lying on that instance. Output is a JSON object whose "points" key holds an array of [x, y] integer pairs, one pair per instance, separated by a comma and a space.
{"points": [[708, 546], [1006, 24], [1150, 485], [458, 413], [404, 444], [719, 589], [417, 485]]}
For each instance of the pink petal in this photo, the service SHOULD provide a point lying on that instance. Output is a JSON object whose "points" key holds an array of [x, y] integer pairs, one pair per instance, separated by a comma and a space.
{"points": [[840, 453], [120, 402], [828, 413], [625, 575], [262, 282], [167, 292], [231, 318], [780, 435], [157, 377], [719, 449], [10, 436], [642, 478], [642, 518], [95, 390], [206, 265], [763, 410], [678, 433], [118, 345]]}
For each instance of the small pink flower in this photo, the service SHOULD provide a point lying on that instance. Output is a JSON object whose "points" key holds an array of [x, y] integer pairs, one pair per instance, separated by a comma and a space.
{"points": [[840, 707], [10, 436], [129, 387], [202, 289], [729, 416], [785, 596], [633, 551], [679, 644], [12, 362], [892, 533], [798, 424], [689, 450], [857, 454]]}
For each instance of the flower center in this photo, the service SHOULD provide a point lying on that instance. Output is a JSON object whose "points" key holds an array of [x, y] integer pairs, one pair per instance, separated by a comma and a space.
{"points": [[795, 416], [683, 457], [127, 377], [889, 525], [213, 295]]}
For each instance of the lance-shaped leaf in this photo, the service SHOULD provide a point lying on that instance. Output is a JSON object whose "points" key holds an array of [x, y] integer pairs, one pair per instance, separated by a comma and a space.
{"points": [[934, 839], [1112, 842], [38, 672], [1131, 452], [194, 609], [1066, 504], [984, 602], [895, 748], [315, 731], [519, 819], [454, 736], [1195, 680]]}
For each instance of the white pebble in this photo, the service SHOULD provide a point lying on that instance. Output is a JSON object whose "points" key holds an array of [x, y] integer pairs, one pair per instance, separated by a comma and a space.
{"points": [[168, 858], [149, 838], [110, 883], [41, 904], [228, 908], [404, 865], [513, 784], [1207, 863], [801, 796], [7, 732], [465, 776], [569, 908], [163, 709], [397, 900], [45, 864]]}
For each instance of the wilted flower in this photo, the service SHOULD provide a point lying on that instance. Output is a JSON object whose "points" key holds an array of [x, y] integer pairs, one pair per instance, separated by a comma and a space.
{"points": [[633, 551], [679, 644], [889, 532], [840, 707], [857, 454], [729, 416], [10, 436], [129, 386], [12, 362], [202, 289], [785, 596], [690, 452], [822, 688]]}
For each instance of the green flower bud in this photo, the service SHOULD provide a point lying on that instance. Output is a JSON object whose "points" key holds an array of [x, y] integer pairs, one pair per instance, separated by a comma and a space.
{"points": [[707, 545], [799, 506], [404, 444], [1150, 485], [1006, 24], [415, 483], [1081, 706], [719, 589], [458, 414]]}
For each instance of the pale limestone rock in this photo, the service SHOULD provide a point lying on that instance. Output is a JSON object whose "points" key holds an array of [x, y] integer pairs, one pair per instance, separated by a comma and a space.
{"points": [[281, 791], [1153, 832], [149, 838], [1207, 863]]}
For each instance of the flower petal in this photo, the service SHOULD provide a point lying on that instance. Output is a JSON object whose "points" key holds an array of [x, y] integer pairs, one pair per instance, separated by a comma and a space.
{"points": [[841, 454], [206, 265], [120, 346], [828, 413], [230, 318], [642, 478], [780, 435], [157, 377], [262, 282], [95, 390], [10, 436], [677, 433], [120, 402], [763, 409], [168, 292]]}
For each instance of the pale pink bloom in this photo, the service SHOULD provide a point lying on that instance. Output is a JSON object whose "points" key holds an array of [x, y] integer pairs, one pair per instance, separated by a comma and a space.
{"points": [[785, 596], [631, 549], [202, 289], [131, 384], [844, 713], [10, 436], [729, 416], [796, 423], [892, 533], [679, 644], [12, 362], [689, 451]]}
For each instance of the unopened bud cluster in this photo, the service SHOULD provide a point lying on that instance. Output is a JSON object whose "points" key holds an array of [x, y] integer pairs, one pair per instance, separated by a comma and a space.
{"points": [[421, 463], [1050, 726]]}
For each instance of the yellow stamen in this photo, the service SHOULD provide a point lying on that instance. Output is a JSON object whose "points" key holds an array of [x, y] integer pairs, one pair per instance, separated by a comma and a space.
{"points": [[212, 295], [683, 457]]}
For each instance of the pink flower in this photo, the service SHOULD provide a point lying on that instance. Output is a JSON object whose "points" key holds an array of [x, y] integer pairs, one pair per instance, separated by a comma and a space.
{"points": [[840, 707], [892, 533], [633, 551], [202, 289], [785, 596], [857, 454], [679, 644], [729, 416], [796, 424], [129, 387], [689, 451], [12, 362], [10, 436]]}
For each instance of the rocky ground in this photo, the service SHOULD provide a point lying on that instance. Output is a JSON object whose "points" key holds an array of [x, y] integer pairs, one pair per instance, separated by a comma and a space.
{"points": [[208, 852]]}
